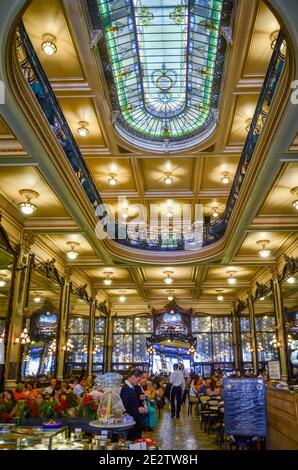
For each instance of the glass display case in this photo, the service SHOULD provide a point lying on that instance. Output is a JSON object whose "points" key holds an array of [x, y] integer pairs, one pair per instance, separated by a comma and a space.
{"points": [[31, 438]]}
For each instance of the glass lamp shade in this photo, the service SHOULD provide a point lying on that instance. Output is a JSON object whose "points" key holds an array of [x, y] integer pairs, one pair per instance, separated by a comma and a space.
{"points": [[225, 178], [37, 299], [108, 282], [2, 283], [49, 47], [168, 280], [264, 253], [122, 298], [83, 130], [168, 179], [112, 180], [295, 204], [27, 207], [232, 280], [220, 298], [291, 280], [72, 255]]}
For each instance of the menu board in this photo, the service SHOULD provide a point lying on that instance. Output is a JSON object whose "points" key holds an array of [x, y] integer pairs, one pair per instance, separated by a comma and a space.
{"points": [[245, 407]]}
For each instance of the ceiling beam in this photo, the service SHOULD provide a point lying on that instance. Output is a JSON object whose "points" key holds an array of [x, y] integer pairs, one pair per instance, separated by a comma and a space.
{"points": [[275, 223], [52, 225]]}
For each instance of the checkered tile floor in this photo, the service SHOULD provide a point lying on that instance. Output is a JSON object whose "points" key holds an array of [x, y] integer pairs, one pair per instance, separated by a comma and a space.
{"points": [[181, 434]]}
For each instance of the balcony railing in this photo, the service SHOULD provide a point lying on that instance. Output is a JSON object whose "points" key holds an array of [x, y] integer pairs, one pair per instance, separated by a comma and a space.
{"points": [[138, 237]]}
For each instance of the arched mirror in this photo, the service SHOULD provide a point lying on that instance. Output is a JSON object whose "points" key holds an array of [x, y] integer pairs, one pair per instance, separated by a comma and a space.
{"points": [[41, 322]]}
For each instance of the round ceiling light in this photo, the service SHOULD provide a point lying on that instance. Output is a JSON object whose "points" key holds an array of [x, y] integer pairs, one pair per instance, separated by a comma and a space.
{"points": [[264, 252], [171, 295], [291, 280], [108, 281], [112, 180], [232, 280], [168, 179], [27, 207], [2, 282], [83, 130], [72, 254], [225, 178], [215, 212], [219, 296], [49, 44], [168, 280]]}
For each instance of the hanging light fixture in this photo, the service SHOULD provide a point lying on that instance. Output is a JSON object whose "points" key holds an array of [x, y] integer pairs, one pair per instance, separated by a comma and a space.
{"points": [[28, 207], [52, 348], [264, 252], [225, 177], [107, 281], [2, 281], [232, 280], [291, 280], [220, 297], [122, 297], [215, 212], [37, 298], [49, 44], [72, 254], [168, 280], [83, 130], [171, 295], [262, 298], [170, 212], [168, 179], [294, 192], [23, 338], [112, 180]]}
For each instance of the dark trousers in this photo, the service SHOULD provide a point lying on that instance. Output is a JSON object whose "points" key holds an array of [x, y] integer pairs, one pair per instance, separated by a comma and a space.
{"points": [[176, 396], [136, 432]]}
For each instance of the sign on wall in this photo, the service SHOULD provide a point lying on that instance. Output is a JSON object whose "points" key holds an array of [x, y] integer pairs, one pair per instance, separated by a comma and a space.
{"points": [[245, 407]]}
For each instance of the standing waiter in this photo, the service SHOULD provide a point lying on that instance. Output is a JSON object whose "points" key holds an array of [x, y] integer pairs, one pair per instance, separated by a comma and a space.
{"points": [[178, 385]]}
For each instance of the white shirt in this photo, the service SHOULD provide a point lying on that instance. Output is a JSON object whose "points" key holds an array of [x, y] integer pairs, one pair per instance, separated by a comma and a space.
{"points": [[177, 379]]}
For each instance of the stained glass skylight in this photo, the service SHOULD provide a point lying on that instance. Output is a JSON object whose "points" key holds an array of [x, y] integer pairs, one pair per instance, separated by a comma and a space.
{"points": [[162, 58]]}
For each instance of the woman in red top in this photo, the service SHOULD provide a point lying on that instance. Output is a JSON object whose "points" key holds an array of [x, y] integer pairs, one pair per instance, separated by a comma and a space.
{"points": [[19, 392]]}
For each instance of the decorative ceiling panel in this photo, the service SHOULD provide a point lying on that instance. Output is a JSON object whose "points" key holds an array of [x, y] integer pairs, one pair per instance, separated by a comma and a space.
{"points": [[163, 61]]}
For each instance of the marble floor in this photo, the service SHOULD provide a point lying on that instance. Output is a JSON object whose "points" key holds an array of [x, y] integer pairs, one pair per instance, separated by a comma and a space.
{"points": [[181, 434]]}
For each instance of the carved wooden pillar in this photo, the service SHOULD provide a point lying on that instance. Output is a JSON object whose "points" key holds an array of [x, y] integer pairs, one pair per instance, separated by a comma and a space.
{"points": [[251, 311], [19, 303], [281, 333], [92, 314], [63, 318]]}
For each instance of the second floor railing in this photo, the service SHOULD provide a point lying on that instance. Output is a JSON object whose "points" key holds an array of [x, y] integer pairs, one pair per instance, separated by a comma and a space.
{"points": [[140, 237]]}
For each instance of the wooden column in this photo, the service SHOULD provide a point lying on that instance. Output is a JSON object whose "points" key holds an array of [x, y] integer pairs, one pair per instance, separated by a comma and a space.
{"points": [[236, 339], [19, 303], [281, 333], [253, 335], [63, 318], [91, 336], [109, 343]]}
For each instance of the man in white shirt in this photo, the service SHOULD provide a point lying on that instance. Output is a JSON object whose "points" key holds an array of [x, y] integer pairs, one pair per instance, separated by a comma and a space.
{"points": [[178, 385], [49, 390], [80, 388]]}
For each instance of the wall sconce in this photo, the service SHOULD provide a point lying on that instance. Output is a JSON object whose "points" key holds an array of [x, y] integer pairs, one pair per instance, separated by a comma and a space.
{"points": [[68, 347], [23, 338]]}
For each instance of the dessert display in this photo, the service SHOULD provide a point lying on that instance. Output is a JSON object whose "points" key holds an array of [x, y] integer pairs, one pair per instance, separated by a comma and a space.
{"points": [[110, 409]]}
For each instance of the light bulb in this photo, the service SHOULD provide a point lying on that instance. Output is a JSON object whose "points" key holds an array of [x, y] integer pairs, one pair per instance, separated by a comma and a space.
{"points": [[122, 298]]}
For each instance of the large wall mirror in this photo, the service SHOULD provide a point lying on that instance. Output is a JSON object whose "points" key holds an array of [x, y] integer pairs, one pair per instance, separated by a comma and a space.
{"points": [[78, 328], [6, 267], [266, 329], [41, 323], [290, 309]]}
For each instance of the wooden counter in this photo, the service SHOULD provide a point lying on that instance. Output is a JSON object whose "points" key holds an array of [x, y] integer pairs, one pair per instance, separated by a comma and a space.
{"points": [[282, 411]]}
